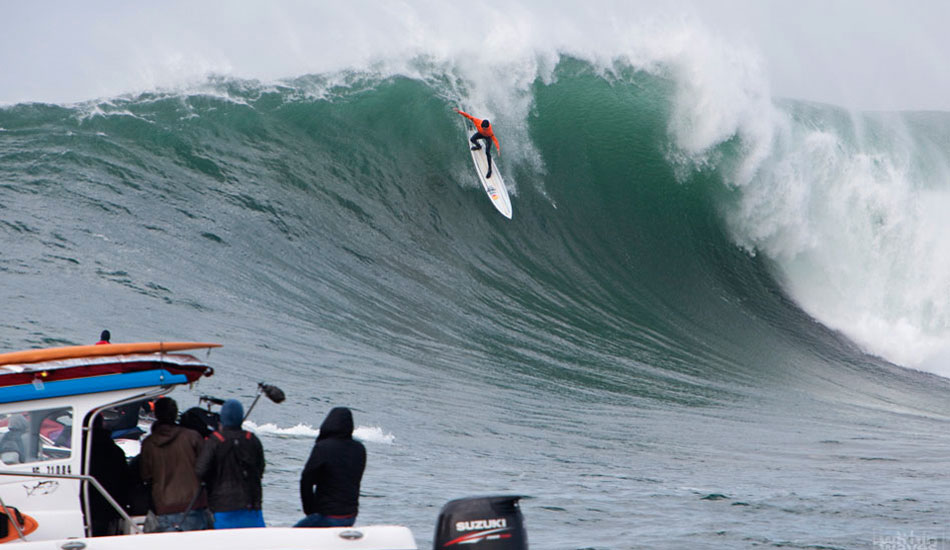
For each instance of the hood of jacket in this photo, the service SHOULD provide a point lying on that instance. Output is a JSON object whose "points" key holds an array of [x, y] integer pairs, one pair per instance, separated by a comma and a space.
{"points": [[163, 433], [338, 424]]}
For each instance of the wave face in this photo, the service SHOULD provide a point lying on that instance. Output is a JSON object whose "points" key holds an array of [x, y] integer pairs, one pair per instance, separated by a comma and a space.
{"points": [[846, 207], [650, 201], [665, 254]]}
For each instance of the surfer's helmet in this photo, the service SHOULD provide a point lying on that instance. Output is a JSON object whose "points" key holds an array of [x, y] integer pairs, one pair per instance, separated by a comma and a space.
{"points": [[485, 123]]}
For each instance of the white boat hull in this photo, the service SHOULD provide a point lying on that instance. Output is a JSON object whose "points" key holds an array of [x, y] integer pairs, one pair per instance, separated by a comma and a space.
{"points": [[374, 537]]}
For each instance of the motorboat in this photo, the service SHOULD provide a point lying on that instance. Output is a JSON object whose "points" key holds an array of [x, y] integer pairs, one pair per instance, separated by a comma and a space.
{"points": [[49, 400]]}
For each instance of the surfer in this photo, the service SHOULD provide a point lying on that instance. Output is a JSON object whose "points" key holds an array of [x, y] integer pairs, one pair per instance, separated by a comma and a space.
{"points": [[483, 131]]}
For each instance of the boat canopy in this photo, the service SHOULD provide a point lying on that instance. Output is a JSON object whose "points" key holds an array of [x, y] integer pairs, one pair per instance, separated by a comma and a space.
{"points": [[80, 370]]}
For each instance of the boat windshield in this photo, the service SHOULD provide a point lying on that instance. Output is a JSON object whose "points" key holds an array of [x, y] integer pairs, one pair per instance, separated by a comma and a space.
{"points": [[36, 435]]}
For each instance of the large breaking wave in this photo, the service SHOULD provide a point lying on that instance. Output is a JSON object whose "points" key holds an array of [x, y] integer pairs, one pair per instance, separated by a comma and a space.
{"points": [[664, 201]]}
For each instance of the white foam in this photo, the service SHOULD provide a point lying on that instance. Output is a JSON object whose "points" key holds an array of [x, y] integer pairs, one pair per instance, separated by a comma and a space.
{"points": [[73, 53], [857, 229], [370, 434]]}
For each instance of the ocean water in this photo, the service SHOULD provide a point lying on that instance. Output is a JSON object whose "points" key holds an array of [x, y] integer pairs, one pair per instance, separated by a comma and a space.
{"points": [[717, 318]]}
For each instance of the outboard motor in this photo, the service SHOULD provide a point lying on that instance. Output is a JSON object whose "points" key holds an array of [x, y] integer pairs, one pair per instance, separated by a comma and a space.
{"points": [[481, 523]]}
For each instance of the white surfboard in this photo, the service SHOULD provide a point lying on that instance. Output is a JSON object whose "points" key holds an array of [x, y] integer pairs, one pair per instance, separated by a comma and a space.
{"points": [[495, 185]]}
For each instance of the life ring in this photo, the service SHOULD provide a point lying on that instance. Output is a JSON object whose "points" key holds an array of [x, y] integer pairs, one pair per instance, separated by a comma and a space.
{"points": [[9, 532]]}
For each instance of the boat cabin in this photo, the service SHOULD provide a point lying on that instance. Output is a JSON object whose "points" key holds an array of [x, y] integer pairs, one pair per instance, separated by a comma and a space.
{"points": [[48, 402]]}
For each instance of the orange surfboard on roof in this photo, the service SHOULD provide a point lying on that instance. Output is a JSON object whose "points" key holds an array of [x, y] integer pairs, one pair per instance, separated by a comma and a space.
{"points": [[74, 352]]}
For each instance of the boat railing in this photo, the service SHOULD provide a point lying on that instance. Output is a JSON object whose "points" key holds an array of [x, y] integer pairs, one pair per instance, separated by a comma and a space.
{"points": [[82, 478], [13, 520]]}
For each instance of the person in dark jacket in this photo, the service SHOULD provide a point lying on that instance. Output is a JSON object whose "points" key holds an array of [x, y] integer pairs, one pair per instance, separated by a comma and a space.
{"points": [[330, 483], [231, 464], [108, 465], [168, 462]]}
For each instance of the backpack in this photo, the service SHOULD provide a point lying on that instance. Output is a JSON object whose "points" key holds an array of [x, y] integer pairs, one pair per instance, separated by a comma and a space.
{"points": [[239, 456]]}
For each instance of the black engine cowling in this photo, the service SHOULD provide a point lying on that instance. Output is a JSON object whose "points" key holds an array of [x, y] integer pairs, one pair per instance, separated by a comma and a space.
{"points": [[481, 523]]}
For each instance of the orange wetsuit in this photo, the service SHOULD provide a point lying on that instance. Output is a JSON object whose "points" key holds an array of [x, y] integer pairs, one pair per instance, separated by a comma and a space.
{"points": [[485, 132]]}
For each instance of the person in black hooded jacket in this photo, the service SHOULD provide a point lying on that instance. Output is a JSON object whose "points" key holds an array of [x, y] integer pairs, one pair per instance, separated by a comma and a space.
{"points": [[109, 466], [330, 483]]}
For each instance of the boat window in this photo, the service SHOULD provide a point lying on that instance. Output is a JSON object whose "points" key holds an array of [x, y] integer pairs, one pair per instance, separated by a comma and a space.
{"points": [[35, 436]]}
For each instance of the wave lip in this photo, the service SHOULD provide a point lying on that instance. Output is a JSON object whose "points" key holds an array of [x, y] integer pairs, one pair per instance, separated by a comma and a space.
{"points": [[849, 208]]}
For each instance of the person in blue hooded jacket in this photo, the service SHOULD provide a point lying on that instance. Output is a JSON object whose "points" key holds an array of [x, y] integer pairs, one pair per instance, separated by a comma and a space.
{"points": [[330, 482], [231, 464]]}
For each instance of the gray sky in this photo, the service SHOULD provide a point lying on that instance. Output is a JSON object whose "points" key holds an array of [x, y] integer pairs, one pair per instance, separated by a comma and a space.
{"points": [[868, 54]]}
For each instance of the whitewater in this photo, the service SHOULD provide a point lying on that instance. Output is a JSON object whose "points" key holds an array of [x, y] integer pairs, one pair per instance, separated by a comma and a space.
{"points": [[719, 317]]}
